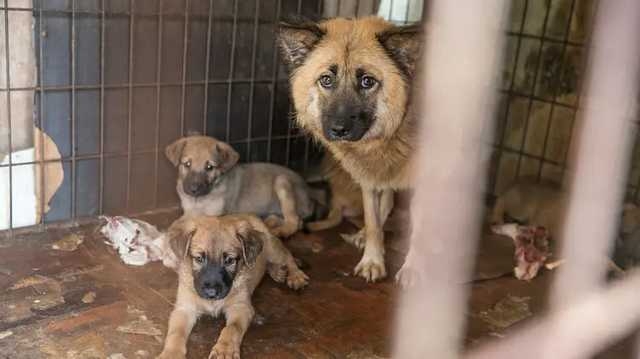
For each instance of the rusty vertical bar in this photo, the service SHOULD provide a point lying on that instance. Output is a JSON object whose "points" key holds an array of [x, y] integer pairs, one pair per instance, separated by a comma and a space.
{"points": [[206, 70], [602, 151], [130, 103], [458, 105], [74, 144], [185, 51], [41, 37], [252, 83], [102, 66], [232, 62], [274, 81], [158, 100], [8, 94], [290, 121]]}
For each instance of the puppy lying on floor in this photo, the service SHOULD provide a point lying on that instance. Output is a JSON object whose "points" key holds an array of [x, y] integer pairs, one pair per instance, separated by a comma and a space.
{"points": [[532, 202], [221, 260], [211, 182]]}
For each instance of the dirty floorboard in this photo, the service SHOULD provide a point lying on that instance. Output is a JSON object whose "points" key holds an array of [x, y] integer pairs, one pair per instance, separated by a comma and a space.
{"points": [[85, 303]]}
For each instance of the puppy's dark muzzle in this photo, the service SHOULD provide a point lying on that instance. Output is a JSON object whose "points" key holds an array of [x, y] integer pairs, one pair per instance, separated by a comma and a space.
{"points": [[196, 185], [212, 290], [213, 283]]}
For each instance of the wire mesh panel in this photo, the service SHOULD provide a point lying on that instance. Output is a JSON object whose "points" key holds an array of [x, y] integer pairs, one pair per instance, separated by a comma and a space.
{"points": [[111, 82], [540, 86], [118, 80]]}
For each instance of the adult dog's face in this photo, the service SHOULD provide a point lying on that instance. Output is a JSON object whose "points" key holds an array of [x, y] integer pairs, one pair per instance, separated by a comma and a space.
{"points": [[201, 161], [350, 79], [215, 252]]}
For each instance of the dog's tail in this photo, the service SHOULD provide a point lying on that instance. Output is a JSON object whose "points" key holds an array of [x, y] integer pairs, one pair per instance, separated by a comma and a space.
{"points": [[320, 196]]}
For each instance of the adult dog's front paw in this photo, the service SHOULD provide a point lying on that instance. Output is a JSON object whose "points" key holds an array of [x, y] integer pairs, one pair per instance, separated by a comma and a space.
{"points": [[171, 354], [225, 350], [297, 280], [371, 268], [356, 239]]}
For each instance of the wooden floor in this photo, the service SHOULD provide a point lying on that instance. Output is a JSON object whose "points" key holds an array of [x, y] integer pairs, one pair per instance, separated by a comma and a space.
{"points": [[85, 303]]}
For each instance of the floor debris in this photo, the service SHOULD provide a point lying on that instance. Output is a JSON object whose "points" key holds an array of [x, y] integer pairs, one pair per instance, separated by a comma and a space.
{"points": [[507, 312], [29, 281], [142, 353], [117, 356], [5, 334], [68, 243], [531, 248], [89, 297], [142, 326], [136, 241]]}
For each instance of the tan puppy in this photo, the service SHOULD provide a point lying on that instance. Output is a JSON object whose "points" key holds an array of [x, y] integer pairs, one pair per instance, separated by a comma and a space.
{"points": [[527, 201], [211, 182], [221, 260], [351, 84], [346, 196]]}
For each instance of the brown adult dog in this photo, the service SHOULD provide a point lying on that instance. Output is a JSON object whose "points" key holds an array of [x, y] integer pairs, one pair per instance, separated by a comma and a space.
{"points": [[351, 83], [221, 260]]}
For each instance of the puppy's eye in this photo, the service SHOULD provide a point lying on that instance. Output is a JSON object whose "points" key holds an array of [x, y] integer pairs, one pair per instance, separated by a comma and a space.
{"points": [[229, 261], [199, 259], [367, 82], [187, 164], [326, 81], [209, 167]]}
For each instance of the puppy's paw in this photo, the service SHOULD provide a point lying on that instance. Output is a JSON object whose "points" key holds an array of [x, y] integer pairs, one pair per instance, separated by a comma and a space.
{"points": [[278, 273], [273, 221], [371, 268], [171, 354], [297, 279], [225, 350], [356, 239]]}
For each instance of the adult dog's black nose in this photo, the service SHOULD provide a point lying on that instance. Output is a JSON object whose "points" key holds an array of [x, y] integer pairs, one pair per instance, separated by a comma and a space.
{"points": [[340, 130]]}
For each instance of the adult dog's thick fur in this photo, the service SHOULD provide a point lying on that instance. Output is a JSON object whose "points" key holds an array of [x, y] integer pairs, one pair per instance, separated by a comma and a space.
{"points": [[221, 260], [211, 182], [351, 83]]}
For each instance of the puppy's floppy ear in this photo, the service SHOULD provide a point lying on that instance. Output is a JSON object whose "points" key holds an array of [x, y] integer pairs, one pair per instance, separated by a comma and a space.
{"points": [[227, 156], [174, 151], [404, 45], [180, 235], [296, 38], [252, 243]]}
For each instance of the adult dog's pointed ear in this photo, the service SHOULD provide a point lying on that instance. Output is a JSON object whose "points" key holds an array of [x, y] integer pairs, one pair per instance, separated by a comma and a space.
{"points": [[226, 155], [252, 243], [296, 38], [404, 45], [174, 151], [179, 236]]}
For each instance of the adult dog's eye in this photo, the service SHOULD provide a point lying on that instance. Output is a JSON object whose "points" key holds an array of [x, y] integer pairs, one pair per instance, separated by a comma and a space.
{"points": [[187, 164], [326, 81], [209, 167], [229, 261], [367, 82]]}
